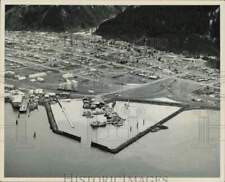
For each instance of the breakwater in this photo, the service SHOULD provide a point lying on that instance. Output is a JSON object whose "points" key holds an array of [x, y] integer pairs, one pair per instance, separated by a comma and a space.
{"points": [[124, 99], [54, 127], [136, 137]]}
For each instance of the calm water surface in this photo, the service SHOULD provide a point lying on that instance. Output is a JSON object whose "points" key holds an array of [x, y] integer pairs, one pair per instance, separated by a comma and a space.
{"points": [[138, 117], [187, 149]]}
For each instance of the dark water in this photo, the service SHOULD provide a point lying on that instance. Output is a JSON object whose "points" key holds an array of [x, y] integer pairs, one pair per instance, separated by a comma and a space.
{"points": [[187, 149]]}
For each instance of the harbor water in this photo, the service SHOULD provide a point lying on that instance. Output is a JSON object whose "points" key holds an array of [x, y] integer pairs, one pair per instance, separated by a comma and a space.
{"points": [[137, 116], [188, 148]]}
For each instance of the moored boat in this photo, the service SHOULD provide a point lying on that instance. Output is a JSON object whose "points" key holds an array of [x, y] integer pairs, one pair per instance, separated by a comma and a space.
{"points": [[24, 105], [96, 124]]}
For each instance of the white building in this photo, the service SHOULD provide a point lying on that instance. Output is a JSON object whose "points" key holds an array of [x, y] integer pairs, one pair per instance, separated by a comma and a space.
{"points": [[40, 79], [39, 91], [9, 74], [17, 100], [52, 94], [68, 75], [20, 77], [36, 75], [70, 85], [9, 87]]}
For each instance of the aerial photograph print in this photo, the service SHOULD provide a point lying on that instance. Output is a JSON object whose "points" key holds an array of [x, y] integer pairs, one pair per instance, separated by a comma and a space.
{"points": [[112, 90]]}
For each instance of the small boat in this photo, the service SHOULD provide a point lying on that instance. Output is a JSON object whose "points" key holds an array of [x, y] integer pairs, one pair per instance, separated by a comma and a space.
{"points": [[119, 124], [162, 127], [109, 122], [155, 129], [33, 106], [86, 113], [86, 106], [96, 124], [93, 106], [159, 127], [98, 112]]}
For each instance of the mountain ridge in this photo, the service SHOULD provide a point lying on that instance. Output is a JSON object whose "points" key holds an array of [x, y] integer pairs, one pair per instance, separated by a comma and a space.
{"points": [[57, 18], [184, 25]]}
